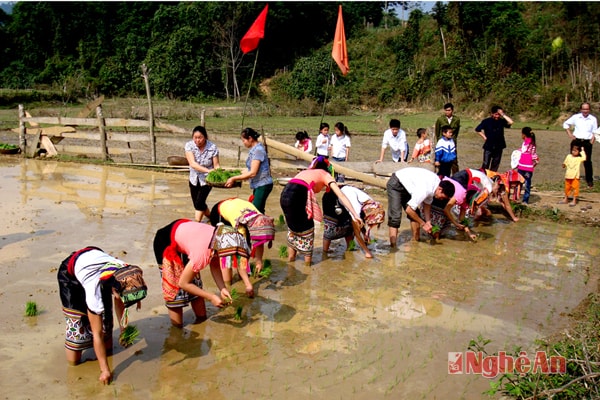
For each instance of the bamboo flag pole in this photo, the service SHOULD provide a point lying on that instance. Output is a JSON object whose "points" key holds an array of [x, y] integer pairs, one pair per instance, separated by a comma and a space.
{"points": [[249, 87], [329, 77]]}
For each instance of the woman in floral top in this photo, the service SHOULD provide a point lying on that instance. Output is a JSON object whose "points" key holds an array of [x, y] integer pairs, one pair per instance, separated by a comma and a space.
{"points": [[202, 156]]}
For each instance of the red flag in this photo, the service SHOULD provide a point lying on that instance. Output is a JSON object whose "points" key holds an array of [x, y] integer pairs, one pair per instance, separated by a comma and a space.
{"points": [[339, 52], [256, 32]]}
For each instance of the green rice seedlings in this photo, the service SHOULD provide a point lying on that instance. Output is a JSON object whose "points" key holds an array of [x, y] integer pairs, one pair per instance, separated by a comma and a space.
{"points": [[283, 251], [31, 309], [235, 295], [266, 271], [219, 175], [352, 245], [129, 335], [281, 220], [435, 229], [238, 313]]}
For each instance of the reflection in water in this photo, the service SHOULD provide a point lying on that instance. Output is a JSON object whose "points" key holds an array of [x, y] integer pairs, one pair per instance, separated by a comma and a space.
{"points": [[343, 327]]}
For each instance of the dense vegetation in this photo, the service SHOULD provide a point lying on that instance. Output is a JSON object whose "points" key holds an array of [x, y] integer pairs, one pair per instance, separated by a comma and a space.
{"points": [[528, 56]]}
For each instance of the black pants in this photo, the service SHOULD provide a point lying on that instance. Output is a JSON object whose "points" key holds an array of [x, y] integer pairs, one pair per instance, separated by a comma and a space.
{"points": [[587, 164]]}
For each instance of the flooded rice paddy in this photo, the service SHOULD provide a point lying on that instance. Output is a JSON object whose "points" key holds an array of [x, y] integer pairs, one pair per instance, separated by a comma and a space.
{"points": [[345, 327]]}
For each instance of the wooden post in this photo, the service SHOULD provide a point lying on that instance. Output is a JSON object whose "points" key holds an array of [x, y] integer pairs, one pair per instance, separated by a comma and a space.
{"points": [[22, 129], [102, 129], [203, 117], [145, 72]]}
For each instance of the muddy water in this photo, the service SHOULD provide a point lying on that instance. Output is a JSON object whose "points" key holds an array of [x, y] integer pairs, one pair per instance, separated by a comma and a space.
{"points": [[345, 327]]}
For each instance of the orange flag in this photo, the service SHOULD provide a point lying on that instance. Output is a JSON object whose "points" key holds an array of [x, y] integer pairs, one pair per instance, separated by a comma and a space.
{"points": [[256, 32], [339, 52]]}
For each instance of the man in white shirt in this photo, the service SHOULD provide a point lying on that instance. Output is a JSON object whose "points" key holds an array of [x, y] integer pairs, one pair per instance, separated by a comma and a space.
{"points": [[408, 189], [396, 139], [584, 124]]}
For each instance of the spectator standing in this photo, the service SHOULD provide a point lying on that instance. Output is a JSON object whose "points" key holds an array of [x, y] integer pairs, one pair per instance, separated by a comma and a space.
{"points": [[322, 143], [584, 124], [395, 138], [491, 130], [454, 122], [445, 152]]}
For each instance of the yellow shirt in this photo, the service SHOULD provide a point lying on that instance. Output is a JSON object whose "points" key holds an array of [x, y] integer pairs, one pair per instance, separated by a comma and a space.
{"points": [[573, 166]]}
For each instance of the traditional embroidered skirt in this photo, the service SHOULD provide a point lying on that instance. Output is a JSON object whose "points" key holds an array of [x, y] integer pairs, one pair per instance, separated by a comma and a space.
{"points": [[183, 298], [78, 332], [301, 229], [335, 226]]}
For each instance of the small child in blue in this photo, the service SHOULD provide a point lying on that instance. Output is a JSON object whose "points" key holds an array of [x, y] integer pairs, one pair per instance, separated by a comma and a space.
{"points": [[445, 152]]}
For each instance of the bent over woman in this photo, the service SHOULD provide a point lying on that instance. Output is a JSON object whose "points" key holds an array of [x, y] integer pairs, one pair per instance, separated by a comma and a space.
{"points": [[301, 209]]}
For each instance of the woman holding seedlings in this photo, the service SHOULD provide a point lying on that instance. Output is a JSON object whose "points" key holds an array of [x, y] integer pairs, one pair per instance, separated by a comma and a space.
{"points": [[242, 214], [258, 170], [202, 156], [301, 209], [182, 249], [88, 280]]}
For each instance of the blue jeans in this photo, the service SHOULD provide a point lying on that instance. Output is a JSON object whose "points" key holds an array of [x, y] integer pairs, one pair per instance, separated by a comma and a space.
{"points": [[527, 175]]}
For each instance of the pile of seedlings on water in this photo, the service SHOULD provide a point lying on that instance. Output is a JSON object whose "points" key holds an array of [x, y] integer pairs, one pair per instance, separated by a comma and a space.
{"points": [[31, 309]]}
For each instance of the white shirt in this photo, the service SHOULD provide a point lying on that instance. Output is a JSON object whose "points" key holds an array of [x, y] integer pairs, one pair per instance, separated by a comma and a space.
{"points": [[356, 197], [322, 144], [397, 143], [338, 145], [88, 267], [420, 183], [584, 126], [483, 178]]}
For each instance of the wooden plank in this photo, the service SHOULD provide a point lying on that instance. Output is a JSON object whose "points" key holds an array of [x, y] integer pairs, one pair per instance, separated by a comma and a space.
{"points": [[171, 128], [49, 146], [89, 107], [56, 130], [67, 148], [339, 167], [87, 121], [32, 140]]}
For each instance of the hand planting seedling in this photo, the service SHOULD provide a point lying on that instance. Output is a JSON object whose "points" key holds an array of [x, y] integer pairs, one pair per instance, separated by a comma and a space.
{"points": [[128, 336], [31, 309]]}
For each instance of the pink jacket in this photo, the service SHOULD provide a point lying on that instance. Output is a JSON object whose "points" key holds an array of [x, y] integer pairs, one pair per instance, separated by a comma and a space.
{"points": [[529, 157]]}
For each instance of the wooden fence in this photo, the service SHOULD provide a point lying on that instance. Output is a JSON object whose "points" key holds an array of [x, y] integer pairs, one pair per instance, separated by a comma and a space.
{"points": [[103, 137]]}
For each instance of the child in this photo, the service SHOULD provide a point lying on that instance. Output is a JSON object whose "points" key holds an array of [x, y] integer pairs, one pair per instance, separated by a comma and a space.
{"points": [[445, 152], [422, 150], [572, 164], [339, 146], [303, 142], [529, 159], [322, 143]]}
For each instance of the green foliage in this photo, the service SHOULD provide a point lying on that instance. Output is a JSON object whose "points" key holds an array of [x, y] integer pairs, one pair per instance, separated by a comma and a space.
{"points": [[351, 245], [31, 309], [6, 146]]}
